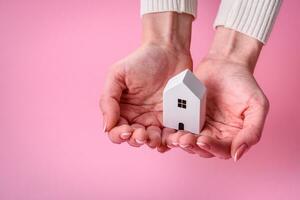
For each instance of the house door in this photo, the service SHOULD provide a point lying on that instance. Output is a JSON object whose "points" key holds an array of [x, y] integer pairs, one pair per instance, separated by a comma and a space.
{"points": [[180, 126]]}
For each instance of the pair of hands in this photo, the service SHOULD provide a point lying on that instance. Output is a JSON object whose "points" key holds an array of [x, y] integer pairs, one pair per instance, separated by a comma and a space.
{"points": [[131, 102]]}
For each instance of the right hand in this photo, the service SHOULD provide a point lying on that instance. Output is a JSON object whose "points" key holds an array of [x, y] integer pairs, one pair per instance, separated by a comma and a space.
{"points": [[131, 102], [132, 99]]}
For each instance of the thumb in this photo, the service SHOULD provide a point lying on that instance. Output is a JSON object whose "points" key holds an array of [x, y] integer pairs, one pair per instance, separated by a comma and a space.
{"points": [[251, 132], [110, 99]]}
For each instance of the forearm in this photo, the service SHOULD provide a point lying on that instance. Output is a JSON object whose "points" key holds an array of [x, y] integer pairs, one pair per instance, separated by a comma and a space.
{"points": [[170, 29], [242, 27], [236, 47]]}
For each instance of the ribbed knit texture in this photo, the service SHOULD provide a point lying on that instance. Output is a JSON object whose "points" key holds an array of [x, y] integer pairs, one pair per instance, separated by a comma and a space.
{"points": [[254, 18], [180, 6]]}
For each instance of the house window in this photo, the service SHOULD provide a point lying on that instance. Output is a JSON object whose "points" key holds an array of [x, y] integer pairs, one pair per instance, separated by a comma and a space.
{"points": [[181, 103]]}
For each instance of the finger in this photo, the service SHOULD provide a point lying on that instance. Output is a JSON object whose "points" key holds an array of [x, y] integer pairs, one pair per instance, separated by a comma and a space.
{"points": [[218, 148], [120, 133], [190, 151], [201, 153], [165, 134], [122, 121], [154, 136], [188, 142], [110, 98], [185, 146], [139, 136], [251, 132], [163, 149], [173, 139], [123, 130]]}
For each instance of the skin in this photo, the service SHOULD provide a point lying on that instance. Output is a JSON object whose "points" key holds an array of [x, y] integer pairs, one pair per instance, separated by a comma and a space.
{"points": [[236, 105], [132, 99], [131, 102]]}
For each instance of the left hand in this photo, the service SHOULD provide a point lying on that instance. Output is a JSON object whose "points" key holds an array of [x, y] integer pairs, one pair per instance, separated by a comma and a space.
{"points": [[236, 106]]}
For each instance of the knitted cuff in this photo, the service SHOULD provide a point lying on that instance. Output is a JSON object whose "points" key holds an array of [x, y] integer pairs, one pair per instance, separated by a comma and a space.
{"points": [[254, 18], [180, 6]]}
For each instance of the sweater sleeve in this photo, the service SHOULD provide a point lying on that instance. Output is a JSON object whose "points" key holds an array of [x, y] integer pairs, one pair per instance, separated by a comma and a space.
{"points": [[254, 18], [180, 6]]}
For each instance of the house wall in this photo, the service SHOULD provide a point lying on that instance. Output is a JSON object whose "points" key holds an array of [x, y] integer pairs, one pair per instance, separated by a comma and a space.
{"points": [[203, 111], [172, 114]]}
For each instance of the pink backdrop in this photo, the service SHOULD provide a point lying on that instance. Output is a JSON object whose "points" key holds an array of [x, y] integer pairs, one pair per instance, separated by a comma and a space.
{"points": [[53, 57]]}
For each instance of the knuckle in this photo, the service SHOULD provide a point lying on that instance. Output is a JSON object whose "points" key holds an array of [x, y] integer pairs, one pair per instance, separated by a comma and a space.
{"points": [[266, 103], [257, 138]]}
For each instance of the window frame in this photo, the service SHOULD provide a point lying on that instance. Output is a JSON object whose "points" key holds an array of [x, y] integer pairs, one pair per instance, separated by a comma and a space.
{"points": [[181, 103]]}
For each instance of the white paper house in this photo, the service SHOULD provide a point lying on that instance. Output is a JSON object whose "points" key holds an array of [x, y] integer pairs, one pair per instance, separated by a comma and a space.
{"points": [[184, 103]]}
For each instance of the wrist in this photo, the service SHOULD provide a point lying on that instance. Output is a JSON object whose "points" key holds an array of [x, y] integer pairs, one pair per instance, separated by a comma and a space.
{"points": [[235, 47], [169, 29]]}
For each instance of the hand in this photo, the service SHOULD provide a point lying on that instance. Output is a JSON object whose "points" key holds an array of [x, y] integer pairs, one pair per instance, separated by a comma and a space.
{"points": [[236, 106], [132, 99]]}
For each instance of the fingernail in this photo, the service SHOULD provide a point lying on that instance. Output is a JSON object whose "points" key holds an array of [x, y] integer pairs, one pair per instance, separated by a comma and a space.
{"points": [[185, 146], [175, 143], [203, 145], [139, 141], [125, 135], [240, 151], [104, 125]]}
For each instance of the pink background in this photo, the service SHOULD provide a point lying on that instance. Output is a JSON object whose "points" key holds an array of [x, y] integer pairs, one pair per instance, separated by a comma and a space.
{"points": [[53, 57]]}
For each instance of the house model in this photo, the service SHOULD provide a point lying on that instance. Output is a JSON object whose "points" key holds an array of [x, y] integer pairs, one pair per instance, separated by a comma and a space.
{"points": [[184, 103]]}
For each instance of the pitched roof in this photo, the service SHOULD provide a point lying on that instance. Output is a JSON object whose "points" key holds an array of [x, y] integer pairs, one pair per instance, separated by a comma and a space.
{"points": [[187, 78]]}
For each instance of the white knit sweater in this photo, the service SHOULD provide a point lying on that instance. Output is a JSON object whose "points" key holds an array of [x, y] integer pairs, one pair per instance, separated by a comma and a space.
{"points": [[254, 18]]}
